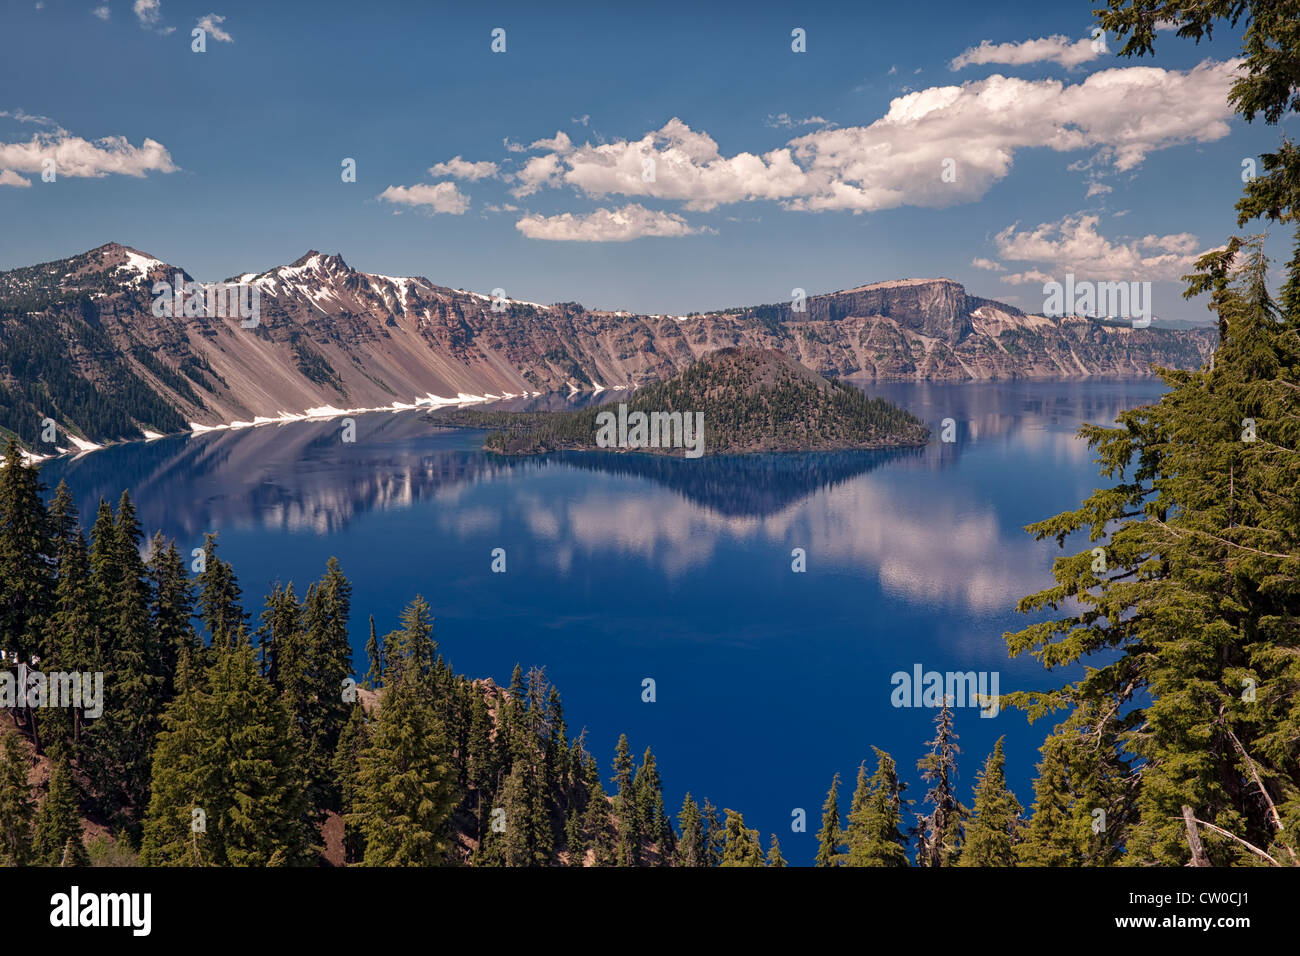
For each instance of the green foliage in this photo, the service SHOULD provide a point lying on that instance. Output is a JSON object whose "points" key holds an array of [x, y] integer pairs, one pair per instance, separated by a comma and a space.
{"points": [[219, 597], [57, 839], [1083, 796], [118, 745], [230, 750], [940, 832], [751, 400], [995, 821], [742, 846], [404, 788], [690, 827], [25, 550], [353, 742], [103, 850], [45, 378], [830, 838], [874, 836], [774, 857], [16, 809]]}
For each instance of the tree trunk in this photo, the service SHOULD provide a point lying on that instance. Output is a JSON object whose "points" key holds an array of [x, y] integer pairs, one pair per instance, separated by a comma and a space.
{"points": [[1199, 857]]}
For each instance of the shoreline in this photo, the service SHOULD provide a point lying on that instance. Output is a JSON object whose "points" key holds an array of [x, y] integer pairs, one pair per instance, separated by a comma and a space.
{"points": [[462, 400]]}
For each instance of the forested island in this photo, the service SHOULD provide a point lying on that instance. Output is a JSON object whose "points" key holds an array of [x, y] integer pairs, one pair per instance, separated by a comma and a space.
{"points": [[733, 401]]}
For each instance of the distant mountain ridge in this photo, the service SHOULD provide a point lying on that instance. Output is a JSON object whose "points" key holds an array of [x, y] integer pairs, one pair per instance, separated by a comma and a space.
{"points": [[79, 344]]}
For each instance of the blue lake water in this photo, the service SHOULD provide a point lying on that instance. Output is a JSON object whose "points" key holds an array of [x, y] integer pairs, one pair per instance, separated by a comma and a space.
{"points": [[623, 567]]}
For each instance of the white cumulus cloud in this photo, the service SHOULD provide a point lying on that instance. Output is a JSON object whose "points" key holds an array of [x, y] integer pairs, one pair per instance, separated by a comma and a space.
{"points": [[75, 156], [211, 25], [148, 12], [1073, 245], [1054, 49], [633, 221], [10, 178], [439, 197], [458, 168], [1119, 115], [785, 121]]}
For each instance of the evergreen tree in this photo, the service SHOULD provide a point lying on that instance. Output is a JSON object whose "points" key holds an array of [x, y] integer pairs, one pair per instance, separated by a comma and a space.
{"points": [[329, 662], [15, 800], [104, 574], [596, 825], [482, 771], [1289, 297], [1191, 605], [230, 750], [1198, 597], [575, 846], [285, 659], [774, 857], [119, 745], [405, 791], [374, 656], [995, 820], [58, 822], [171, 611], [940, 831], [874, 835], [412, 648], [628, 843], [830, 837], [1083, 796], [715, 834], [70, 632], [509, 834], [653, 825], [742, 846], [25, 556], [219, 596], [690, 827], [353, 742]]}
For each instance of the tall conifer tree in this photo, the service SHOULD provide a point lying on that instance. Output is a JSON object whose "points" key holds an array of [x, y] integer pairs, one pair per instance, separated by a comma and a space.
{"points": [[874, 835], [57, 839], [742, 846], [16, 809], [994, 827], [229, 750], [830, 838], [939, 832]]}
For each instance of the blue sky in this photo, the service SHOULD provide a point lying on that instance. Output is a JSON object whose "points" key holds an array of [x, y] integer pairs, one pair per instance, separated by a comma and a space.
{"points": [[772, 169]]}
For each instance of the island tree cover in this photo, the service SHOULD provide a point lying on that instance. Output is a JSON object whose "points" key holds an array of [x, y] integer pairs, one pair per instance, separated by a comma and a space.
{"points": [[239, 741], [751, 400]]}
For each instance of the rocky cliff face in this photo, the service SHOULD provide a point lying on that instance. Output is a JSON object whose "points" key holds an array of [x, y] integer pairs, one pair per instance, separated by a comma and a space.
{"points": [[80, 343]]}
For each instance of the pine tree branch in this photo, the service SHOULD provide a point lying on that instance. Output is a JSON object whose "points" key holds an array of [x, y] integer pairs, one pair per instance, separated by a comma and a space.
{"points": [[1101, 724], [1194, 840], [1215, 537], [1277, 820]]}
